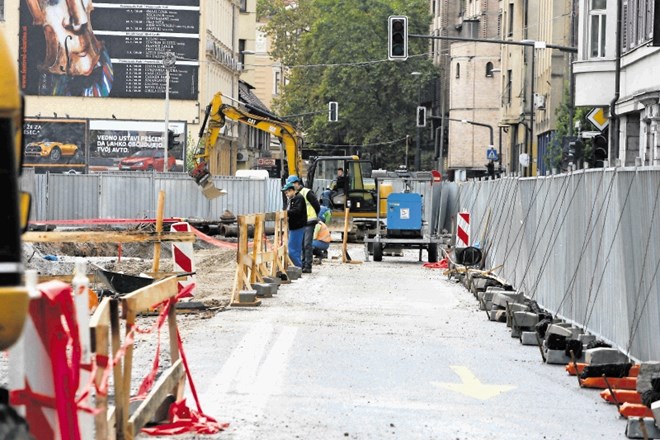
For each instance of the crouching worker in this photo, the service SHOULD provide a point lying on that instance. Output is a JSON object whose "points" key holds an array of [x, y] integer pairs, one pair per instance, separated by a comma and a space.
{"points": [[322, 240], [297, 217]]}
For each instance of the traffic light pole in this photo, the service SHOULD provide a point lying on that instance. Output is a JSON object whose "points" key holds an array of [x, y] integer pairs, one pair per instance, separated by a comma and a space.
{"points": [[479, 124]]}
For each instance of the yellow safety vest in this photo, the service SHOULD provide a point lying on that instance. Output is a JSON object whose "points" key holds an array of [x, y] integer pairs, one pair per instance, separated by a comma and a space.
{"points": [[311, 212]]}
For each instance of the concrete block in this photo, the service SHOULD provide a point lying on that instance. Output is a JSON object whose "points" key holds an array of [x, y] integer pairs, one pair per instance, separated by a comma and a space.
{"points": [[247, 296], [479, 284], [555, 329], [273, 280], [603, 355], [294, 272], [525, 319], [586, 339], [518, 307], [556, 357], [489, 305], [264, 290], [492, 315], [655, 407], [647, 371], [634, 428], [529, 338], [516, 332], [501, 298], [492, 289]]}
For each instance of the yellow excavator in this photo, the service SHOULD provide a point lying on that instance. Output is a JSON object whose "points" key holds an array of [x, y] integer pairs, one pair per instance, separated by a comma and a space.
{"points": [[357, 194], [13, 220], [215, 118]]}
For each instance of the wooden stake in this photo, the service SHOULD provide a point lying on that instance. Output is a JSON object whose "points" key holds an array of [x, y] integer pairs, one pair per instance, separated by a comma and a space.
{"points": [[344, 246], [614, 399], [159, 229], [577, 372], [540, 345]]}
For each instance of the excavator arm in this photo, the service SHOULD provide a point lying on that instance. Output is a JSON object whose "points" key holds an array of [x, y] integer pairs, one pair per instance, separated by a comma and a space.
{"points": [[215, 117]]}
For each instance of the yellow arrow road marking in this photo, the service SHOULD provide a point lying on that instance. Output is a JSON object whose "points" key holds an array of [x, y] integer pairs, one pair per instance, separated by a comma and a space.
{"points": [[471, 386]]}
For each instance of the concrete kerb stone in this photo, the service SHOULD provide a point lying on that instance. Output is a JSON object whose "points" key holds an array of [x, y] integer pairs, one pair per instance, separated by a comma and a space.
{"points": [[647, 372], [273, 280], [603, 355], [264, 290], [559, 357], [524, 319], [294, 272], [555, 329], [501, 298], [529, 338], [478, 284], [634, 428], [247, 296], [586, 339]]}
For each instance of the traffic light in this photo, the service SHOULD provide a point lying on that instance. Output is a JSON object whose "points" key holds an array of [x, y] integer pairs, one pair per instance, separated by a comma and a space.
{"points": [[397, 37], [174, 140], [333, 111], [170, 139], [421, 116]]}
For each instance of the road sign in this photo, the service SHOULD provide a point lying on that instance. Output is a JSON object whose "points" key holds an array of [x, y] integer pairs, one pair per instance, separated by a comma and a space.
{"points": [[598, 117], [491, 154]]}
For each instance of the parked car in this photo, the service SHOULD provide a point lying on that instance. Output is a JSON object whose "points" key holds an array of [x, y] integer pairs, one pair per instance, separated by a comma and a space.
{"points": [[52, 151], [147, 160]]}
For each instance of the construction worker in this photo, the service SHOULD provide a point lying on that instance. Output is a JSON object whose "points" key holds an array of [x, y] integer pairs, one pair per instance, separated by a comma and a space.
{"points": [[313, 209], [297, 217], [322, 240]]}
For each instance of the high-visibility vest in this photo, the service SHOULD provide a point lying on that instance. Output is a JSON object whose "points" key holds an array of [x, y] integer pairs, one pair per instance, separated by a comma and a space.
{"points": [[322, 233], [311, 212]]}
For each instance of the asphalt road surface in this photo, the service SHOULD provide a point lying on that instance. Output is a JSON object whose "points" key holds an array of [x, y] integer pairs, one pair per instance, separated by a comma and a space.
{"points": [[383, 350]]}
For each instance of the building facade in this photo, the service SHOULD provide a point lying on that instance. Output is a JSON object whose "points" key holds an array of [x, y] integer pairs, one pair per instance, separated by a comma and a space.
{"points": [[616, 70], [205, 38]]}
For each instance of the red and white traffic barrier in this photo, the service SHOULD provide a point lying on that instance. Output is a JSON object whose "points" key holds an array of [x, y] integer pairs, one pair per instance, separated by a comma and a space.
{"points": [[182, 254], [50, 364], [463, 230]]}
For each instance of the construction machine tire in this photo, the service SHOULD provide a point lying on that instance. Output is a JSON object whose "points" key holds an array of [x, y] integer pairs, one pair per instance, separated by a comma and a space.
{"points": [[378, 252], [433, 253]]}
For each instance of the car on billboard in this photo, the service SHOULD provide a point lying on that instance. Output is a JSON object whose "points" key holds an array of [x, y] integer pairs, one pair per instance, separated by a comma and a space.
{"points": [[146, 160], [52, 151]]}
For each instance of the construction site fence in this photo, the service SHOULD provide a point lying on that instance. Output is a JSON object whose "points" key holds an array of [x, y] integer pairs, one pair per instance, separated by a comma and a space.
{"points": [[584, 245], [135, 195]]}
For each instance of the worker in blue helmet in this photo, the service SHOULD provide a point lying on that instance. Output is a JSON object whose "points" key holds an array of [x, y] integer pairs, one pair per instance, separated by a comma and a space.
{"points": [[313, 208], [297, 217]]}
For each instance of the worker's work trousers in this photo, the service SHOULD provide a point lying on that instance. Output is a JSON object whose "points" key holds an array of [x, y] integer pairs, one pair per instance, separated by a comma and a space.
{"points": [[295, 244], [307, 246]]}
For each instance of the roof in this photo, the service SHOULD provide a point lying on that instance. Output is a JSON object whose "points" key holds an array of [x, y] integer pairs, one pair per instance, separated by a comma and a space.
{"points": [[253, 103]]}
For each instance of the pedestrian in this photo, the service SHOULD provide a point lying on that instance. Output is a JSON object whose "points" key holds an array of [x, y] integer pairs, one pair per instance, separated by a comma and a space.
{"points": [[322, 240], [313, 208], [297, 217]]}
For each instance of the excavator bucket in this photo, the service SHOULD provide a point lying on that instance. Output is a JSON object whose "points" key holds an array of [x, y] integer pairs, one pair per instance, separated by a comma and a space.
{"points": [[205, 181], [210, 191]]}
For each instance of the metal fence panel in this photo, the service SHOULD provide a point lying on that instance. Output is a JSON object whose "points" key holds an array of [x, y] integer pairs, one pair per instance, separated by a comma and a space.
{"points": [[583, 245]]}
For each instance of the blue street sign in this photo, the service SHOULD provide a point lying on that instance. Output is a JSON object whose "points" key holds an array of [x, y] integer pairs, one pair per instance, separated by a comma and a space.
{"points": [[491, 154]]}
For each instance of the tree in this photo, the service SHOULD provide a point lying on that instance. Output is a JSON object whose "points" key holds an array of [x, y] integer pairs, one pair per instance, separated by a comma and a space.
{"points": [[336, 50]]}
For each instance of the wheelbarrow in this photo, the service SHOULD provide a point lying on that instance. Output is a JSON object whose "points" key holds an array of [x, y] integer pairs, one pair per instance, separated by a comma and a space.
{"points": [[122, 283]]}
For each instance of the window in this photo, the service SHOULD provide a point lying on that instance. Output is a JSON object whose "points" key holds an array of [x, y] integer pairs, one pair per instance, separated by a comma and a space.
{"points": [[597, 18], [509, 30], [241, 52], [458, 70], [277, 82], [489, 69], [243, 6], [509, 86], [2, 10]]}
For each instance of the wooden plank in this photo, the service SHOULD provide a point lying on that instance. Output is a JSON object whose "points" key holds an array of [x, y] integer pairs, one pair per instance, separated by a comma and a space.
{"points": [[344, 246], [121, 404], [101, 316], [106, 237], [173, 331], [163, 386], [159, 228], [142, 299]]}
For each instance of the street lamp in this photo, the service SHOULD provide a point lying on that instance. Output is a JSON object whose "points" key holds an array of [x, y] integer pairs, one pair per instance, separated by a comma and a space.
{"points": [[418, 148], [169, 60]]}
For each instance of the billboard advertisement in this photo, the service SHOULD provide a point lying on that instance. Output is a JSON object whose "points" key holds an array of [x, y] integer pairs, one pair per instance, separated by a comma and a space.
{"points": [[134, 146], [108, 49], [55, 145]]}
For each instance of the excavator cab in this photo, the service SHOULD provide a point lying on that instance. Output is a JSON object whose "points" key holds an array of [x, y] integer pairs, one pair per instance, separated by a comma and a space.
{"points": [[353, 188]]}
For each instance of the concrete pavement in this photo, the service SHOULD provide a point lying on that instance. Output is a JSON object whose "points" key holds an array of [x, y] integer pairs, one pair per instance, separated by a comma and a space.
{"points": [[383, 350]]}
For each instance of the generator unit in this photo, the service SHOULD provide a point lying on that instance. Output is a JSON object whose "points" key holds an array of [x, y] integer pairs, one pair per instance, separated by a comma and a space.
{"points": [[404, 215]]}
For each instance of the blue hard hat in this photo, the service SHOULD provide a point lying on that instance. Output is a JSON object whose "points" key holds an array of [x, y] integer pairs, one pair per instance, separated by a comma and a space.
{"points": [[293, 179], [287, 186]]}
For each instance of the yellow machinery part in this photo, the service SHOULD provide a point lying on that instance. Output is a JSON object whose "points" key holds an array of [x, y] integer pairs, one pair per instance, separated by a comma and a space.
{"points": [[13, 310], [384, 190]]}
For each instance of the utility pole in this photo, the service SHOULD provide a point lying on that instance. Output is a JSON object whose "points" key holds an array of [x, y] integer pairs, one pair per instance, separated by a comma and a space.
{"points": [[169, 60]]}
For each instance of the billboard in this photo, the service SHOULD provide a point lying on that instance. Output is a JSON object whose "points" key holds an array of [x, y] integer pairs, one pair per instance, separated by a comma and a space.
{"points": [[133, 146], [55, 145], [116, 50]]}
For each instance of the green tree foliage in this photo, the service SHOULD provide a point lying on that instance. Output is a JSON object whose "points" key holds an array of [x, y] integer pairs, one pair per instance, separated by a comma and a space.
{"points": [[336, 50]]}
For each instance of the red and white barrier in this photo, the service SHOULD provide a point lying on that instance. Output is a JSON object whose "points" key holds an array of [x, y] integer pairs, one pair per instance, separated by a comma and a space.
{"points": [[51, 365], [463, 230], [182, 254]]}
